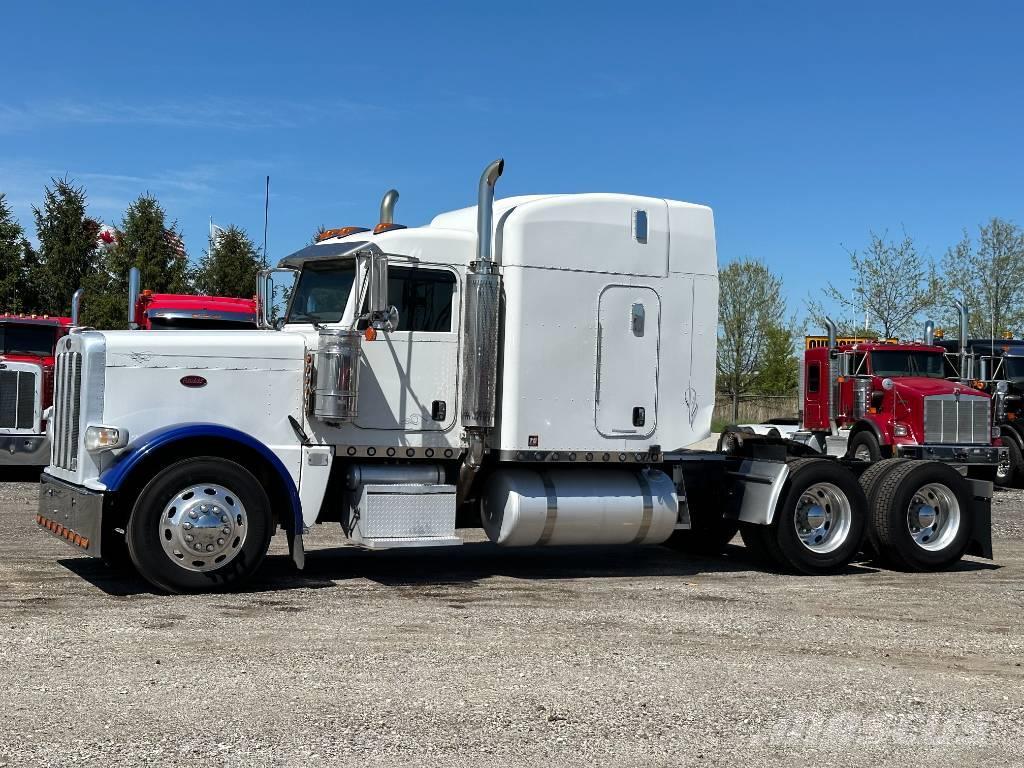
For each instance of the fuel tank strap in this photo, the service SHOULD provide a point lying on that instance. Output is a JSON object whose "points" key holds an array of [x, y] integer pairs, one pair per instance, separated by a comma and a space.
{"points": [[645, 522], [552, 515]]}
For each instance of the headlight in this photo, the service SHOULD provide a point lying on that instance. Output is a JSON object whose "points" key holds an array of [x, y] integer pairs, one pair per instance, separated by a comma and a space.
{"points": [[101, 438], [900, 430]]}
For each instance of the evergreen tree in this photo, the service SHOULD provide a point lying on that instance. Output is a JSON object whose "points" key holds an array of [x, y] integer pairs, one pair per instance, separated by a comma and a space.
{"points": [[67, 245], [230, 267], [12, 260], [144, 241]]}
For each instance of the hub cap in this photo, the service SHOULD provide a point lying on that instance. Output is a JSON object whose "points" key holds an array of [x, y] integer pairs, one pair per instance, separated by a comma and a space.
{"points": [[823, 518], [1003, 469], [933, 517], [203, 527], [862, 453]]}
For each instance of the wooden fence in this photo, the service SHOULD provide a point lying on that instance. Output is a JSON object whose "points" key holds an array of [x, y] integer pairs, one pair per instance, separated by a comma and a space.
{"points": [[755, 409]]}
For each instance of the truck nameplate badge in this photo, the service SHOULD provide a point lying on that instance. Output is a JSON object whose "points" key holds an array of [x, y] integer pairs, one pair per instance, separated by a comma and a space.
{"points": [[193, 382], [534, 441]]}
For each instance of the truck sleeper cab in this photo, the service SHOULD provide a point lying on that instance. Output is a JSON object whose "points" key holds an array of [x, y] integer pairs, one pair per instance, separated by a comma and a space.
{"points": [[534, 367]]}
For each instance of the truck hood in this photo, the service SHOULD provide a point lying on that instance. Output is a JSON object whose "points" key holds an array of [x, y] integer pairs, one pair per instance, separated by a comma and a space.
{"points": [[215, 349], [37, 359], [922, 386]]}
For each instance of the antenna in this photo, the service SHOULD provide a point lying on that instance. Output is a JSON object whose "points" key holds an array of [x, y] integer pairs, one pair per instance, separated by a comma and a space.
{"points": [[266, 218]]}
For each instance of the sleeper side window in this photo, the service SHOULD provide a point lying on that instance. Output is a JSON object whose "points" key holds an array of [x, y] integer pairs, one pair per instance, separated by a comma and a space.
{"points": [[814, 378]]}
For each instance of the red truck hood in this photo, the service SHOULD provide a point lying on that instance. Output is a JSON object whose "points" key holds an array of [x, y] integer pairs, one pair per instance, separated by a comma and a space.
{"points": [[38, 360], [922, 386]]}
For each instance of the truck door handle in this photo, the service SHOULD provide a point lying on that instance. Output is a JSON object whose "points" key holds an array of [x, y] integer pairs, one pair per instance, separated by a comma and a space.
{"points": [[438, 410]]}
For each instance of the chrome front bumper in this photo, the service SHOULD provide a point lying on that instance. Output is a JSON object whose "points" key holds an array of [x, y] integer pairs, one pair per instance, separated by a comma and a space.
{"points": [[72, 513], [24, 450], [954, 454]]}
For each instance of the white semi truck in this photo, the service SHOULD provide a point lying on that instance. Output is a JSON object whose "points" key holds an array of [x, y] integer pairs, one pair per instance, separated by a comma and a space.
{"points": [[535, 366]]}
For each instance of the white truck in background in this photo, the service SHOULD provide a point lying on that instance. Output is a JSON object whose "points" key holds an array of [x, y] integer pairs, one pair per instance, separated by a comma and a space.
{"points": [[535, 366]]}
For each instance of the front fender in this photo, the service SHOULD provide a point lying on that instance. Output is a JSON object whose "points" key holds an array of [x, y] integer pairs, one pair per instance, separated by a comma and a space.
{"points": [[114, 477]]}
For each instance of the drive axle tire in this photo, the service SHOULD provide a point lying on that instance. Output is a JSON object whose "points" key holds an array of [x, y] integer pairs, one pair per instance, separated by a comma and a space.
{"points": [[818, 525], [921, 516], [198, 525], [864, 447], [869, 481]]}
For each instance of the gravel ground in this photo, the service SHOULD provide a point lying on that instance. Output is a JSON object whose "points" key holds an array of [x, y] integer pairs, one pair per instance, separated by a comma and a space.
{"points": [[513, 657]]}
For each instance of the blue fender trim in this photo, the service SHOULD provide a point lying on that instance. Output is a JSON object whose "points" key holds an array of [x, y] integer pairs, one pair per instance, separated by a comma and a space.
{"points": [[139, 448]]}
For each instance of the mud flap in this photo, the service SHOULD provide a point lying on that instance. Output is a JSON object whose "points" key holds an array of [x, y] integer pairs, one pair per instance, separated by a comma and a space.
{"points": [[296, 549], [980, 543]]}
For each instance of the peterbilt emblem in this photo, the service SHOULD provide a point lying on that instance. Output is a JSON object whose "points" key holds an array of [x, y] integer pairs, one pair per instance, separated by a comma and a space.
{"points": [[193, 382]]}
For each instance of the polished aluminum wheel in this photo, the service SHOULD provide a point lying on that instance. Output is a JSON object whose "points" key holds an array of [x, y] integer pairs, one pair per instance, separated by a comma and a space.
{"points": [[862, 453], [823, 518], [1003, 468], [203, 527], [933, 517]]}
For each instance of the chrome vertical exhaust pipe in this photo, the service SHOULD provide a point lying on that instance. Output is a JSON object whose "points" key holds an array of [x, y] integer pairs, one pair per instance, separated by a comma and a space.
{"points": [[134, 281], [961, 308], [929, 333], [76, 306], [485, 215], [832, 332], [387, 207]]}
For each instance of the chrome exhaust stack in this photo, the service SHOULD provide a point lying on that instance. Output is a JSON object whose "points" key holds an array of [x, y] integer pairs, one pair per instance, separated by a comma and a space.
{"points": [[387, 207], [961, 308], [480, 329], [929, 333], [134, 283], [833, 374], [76, 307]]}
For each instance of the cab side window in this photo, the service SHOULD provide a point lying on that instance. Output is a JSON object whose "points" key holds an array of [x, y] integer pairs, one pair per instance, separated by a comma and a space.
{"points": [[813, 378], [423, 298]]}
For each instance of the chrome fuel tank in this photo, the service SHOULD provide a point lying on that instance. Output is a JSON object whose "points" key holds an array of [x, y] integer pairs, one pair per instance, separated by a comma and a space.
{"points": [[526, 508]]}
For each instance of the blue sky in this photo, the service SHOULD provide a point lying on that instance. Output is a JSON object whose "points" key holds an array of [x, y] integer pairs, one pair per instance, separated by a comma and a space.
{"points": [[803, 124]]}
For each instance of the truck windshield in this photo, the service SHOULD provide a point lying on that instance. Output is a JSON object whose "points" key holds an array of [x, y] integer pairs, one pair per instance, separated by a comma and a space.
{"points": [[27, 339], [892, 362], [321, 292]]}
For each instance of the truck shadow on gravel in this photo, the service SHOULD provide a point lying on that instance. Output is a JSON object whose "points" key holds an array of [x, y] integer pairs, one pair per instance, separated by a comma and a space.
{"points": [[467, 565]]}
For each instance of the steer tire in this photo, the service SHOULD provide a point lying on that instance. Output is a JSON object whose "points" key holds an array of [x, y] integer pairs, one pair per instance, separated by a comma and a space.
{"points": [[1015, 475], [903, 489], [867, 441], [161, 521], [816, 489]]}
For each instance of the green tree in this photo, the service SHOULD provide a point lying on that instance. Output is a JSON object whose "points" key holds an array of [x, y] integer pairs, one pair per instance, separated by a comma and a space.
{"points": [[229, 268], [67, 245], [13, 267], [779, 371], [891, 285], [989, 276], [749, 305], [144, 240]]}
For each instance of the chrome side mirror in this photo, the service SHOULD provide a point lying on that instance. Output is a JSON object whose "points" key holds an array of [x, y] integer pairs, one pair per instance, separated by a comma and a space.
{"points": [[383, 316], [266, 296]]}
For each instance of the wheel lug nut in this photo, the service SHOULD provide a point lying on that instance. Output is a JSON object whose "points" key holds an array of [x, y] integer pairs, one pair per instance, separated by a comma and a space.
{"points": [[193, 514], [220, 542], [187, 526], [199, 547], [209, 547], [225, 531], [189, 537]]}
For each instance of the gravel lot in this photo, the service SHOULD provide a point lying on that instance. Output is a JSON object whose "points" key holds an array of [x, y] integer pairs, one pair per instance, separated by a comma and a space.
{"points": [[472, 655]]}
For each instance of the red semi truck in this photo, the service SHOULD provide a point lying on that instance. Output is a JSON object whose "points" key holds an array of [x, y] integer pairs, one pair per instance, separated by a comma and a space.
{"points": [[28, 343], [873, 400]]}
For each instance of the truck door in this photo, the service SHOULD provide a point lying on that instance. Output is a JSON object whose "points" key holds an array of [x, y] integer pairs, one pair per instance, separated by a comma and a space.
{"points": [[628, 328], [408, 381]]}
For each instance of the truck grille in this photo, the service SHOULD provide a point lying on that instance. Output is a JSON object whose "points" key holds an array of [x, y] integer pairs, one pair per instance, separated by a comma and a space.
{"points": [[957, 420], [67, 390], [17, 399]]}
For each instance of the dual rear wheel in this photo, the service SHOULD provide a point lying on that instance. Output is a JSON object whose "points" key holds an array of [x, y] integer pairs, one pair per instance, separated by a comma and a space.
{"points": [[910, 515]]}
